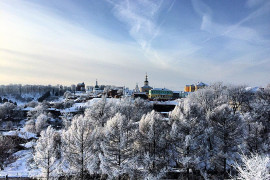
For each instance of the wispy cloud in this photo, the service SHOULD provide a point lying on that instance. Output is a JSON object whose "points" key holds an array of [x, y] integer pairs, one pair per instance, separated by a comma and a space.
{"points": [[75, 41], [144, 20], [140, 17], [36, 41], [254, 3], [171, 6], [235, 31]]}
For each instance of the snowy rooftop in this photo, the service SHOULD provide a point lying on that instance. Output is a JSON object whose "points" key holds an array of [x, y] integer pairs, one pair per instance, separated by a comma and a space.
{"points": [[201, 84], [140, 93], [27, 109], [166, 102], [87, 104], [146, 86], [253, 89], [160, 89]]}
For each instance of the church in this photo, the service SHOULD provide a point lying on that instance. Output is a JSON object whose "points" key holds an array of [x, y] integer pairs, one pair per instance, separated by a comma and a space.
{"points": [[146, 86]]}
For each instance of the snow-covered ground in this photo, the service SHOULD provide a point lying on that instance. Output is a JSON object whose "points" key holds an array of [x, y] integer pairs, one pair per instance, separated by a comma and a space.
{"points": [[24, 96], [87, 104], [28, 144], [20, 168], [21, 133]]}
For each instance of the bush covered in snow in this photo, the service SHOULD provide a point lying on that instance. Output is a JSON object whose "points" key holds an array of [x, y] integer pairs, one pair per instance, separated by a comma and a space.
{"points": [[254, 167]]}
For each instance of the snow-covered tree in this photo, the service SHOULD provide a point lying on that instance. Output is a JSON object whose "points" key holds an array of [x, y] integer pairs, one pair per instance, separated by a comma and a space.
{"points": [[238, 97], [7, 110], [66, 119], [30, 126], [187, 134], [39, 109], [76, 145], [227, 135], [140, 108], [100, 112], [45, 152], [205, 97], [41, 123], [125, 107], [253, 134], [151, 144], [67, 94], [7, 147], [206, 131], [32, 104], [254, 167], [117, 147], [260, 116], [37, 125], [97, 115], [97, 136]]}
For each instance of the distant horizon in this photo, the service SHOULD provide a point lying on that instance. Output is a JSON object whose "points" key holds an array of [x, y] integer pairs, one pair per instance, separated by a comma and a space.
{"points": [[175, 42], [117, 85]]}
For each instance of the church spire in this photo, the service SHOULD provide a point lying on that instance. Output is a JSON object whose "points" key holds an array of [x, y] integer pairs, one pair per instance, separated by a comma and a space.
{"points": [[146, 80], [96, 86]]}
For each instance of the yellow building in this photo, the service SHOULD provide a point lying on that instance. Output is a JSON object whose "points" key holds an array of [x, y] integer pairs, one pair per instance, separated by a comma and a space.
{"points": [[189, 88], [192, 87]]}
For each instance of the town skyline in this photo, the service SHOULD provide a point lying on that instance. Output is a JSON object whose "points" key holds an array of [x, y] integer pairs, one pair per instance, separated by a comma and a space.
{"points": [[116, 42]]}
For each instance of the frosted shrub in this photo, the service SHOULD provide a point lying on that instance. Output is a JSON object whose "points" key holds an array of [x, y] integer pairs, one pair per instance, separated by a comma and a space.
{"points": [[255, 167]]}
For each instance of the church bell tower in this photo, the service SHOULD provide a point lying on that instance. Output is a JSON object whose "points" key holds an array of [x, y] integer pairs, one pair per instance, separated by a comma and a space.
{"points": [[146, 80]]}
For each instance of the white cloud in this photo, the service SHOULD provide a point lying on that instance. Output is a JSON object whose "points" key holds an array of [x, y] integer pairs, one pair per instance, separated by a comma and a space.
{"points": [[143, 21], [140, 17], [36, 42], [37, 45], [235, 31], [254, 3]]}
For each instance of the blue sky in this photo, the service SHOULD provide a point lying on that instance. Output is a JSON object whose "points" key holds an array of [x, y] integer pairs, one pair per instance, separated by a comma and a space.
{"points": [[176, 42]]}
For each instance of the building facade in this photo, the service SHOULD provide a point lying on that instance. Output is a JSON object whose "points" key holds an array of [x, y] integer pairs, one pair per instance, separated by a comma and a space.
{"points": [[80, 87], [160, 94]]}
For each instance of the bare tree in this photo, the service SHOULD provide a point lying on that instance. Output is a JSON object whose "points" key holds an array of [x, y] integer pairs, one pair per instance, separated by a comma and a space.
{"points": [[151, 144], [238, 97], [117, 147], [6, 149], [76, 145], [227, 128], [45, 152]]}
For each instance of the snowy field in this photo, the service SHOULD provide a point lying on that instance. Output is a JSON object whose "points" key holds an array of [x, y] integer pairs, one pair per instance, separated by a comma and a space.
{"points": [[20, 168]]}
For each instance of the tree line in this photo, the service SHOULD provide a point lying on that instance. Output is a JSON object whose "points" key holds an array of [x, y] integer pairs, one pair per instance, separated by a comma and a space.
{"points": [[18, 90]]}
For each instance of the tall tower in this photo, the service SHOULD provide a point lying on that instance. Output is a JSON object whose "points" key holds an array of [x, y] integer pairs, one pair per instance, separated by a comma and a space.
{"points": [[146, 80], [146, 86], [96, 86]]}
